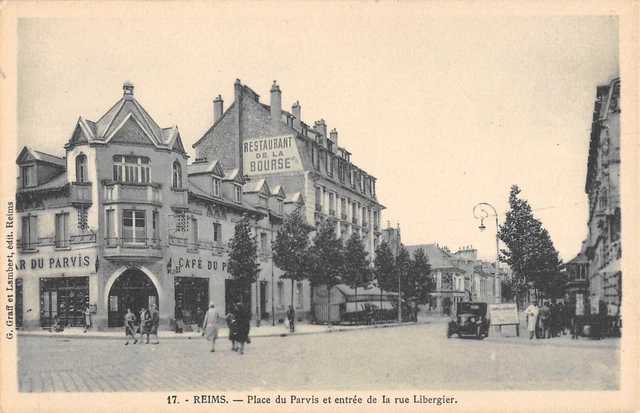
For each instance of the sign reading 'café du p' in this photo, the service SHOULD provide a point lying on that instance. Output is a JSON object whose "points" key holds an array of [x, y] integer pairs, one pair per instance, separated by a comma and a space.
{"points": [[270, 155]]}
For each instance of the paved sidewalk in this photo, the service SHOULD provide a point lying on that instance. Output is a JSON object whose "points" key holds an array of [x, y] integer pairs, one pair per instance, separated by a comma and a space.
{"points": [[265, 330]]}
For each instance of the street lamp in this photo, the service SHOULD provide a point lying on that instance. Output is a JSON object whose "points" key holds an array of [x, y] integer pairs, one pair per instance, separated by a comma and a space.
{"points": [[481, 213]]}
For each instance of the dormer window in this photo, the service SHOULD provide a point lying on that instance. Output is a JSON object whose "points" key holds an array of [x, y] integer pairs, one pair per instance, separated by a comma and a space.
{"points": [[28, 176], [280, 206], [81, 169], [237, 191], [264, 201], [215, 186], [177, 175]]}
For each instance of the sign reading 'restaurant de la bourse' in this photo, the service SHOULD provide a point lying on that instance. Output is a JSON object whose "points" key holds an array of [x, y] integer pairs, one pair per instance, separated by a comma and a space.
{"points": [[270, 155]]}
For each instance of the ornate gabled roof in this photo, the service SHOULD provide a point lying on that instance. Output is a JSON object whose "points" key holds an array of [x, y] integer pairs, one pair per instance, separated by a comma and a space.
{"points": [[277, 191], [233, 175], [260, 186], [206, 168], [127, 121], [29, 155]]}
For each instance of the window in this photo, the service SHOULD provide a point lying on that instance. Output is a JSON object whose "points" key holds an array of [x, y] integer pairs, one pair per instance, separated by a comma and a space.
{"points": [[280, 294], [131, 169], [264, 201], [280, 206], [319, 198], [376, 219], [330, 165], [354, 212], [343, 209], [29, 232], [110, 229], [352, 178], [28, 176], [81, 169], [217, 233], [215, 186], [299, 294], [362, 182], [365, 216], [332, 206], [315, 158], [155, 223], [264, 245], [373, 188], [134, 227], [62, 230], [341, 171], [177, 175], [193, 234], [237, 193]]}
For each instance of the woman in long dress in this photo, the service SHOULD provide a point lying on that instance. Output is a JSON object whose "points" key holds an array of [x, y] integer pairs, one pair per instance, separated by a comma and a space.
{"points": [[210, 325], [242, 326]]}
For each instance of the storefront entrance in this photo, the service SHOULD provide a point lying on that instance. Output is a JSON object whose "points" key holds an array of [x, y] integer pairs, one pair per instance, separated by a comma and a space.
{"points": [[64, 298], [134, 290], [191, 293]]}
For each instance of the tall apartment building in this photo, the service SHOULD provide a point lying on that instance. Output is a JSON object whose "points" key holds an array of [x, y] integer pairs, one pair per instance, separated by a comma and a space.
{"points": [[595, 285], [268, 143]]}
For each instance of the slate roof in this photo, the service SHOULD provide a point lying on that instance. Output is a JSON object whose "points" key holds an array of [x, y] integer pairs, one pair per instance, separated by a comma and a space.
{"points": [[437, 258], [202, 167]]}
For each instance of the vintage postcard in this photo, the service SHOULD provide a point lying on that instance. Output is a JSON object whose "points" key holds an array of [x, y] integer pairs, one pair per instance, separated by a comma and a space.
{"points": [[319, 206]]}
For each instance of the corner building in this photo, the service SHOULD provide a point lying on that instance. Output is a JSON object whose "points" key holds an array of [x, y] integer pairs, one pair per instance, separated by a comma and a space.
{"points": [[268, 143], [123, 221]]}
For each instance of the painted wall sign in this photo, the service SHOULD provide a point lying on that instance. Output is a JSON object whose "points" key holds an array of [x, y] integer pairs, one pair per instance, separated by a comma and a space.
{"points": [[54, 262], [200, 264], [503, 314], [270, 155]]}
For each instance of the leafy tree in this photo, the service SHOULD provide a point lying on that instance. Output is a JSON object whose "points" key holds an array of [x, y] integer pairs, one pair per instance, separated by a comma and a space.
{"points": [[420, 282], [530, 252], [291, 249], [326, 260], [357, 271], [385, 269], [242, 264]]}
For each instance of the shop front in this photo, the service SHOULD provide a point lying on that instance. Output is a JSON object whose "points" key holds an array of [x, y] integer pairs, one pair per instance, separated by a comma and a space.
{"points": [[65, 299], [134, 290]]}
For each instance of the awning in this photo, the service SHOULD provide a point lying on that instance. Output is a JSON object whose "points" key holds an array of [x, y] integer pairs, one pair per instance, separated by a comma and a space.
{"points": [[360, 305]]}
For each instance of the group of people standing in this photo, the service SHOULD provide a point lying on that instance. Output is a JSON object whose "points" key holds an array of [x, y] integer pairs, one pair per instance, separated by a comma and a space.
{"points": [[550, 320], [149, 322], [238, 321]]}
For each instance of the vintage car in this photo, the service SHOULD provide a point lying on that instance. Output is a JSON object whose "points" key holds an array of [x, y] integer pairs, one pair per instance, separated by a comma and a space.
{"points": [[470, 320]]}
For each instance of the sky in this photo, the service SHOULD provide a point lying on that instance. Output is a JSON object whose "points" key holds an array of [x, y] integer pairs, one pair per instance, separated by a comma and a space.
{"points": [[446, 111]]}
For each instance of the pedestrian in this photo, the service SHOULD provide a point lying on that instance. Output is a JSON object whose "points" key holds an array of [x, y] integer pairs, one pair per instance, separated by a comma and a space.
{"points": [[243, 326], [155, 323], [145, 324], [291, 316], [199, 318], [210, 325], [231, 324], [545, 319], [87, 318], [532, 318], [56, 326], [129, 327], [178, 317]]}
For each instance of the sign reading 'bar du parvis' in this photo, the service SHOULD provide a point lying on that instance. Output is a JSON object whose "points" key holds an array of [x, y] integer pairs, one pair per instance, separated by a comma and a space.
{"points": [[503, 314], [270, 155]]}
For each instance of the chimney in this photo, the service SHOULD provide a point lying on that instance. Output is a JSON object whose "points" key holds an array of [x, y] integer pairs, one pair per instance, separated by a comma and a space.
{"points": [[334, 137], [295, 109], [321, 127], [127, 87], [218, 108], [276, 104]]}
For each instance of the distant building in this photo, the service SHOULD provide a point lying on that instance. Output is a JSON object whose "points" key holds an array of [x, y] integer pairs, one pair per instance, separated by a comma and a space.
{"points": [[595, 273]]}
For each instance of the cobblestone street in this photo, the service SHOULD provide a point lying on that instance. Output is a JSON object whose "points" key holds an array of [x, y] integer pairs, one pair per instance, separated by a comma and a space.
{"points": [[415, 356]]}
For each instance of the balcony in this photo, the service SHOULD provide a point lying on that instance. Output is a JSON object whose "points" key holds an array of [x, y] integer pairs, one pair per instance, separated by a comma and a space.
{"points": [[80, 193], [137, 249], [132, 192]]}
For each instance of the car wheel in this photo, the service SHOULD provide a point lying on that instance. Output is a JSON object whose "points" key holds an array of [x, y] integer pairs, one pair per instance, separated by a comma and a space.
{"points": [[479, 334]]}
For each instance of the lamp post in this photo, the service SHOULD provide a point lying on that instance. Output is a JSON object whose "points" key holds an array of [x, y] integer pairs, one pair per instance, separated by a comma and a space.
{"points": [[481, 213]]}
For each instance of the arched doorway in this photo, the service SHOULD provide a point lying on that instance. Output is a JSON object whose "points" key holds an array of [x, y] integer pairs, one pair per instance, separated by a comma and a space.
{"points": [[132, 289]]}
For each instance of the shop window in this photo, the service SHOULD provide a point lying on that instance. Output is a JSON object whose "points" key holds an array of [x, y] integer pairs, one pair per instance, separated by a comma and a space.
{"points": [[177, 175], [64, 298], [28, 174], [81, 169], [215, 186], [62, 230], [29, 239], [191, 294], [131, 169], [134, 227]]}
